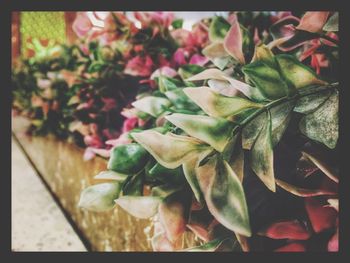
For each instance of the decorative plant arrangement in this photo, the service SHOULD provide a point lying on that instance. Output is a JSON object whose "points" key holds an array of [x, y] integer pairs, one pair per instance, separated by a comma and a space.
{"points": [[240, 149], [79, 91]]}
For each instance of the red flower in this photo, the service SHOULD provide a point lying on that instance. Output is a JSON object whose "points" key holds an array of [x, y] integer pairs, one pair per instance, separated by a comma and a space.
{"points": [[139, 66]]}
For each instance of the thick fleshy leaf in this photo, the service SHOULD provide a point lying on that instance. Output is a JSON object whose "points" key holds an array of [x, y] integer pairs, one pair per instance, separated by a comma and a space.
{"points": [[165, 190], [322, 165], [249, 91], [214, 131], [332, 23], [233, 42], [166, 84], [217, 105], [111, 175], [264, 54], [262, 156], [313, 21], [99, 197], [139, 206], [128, 158], [189, 169], [218, 29], [321, 217], [284, 27], [154, 106], [217, 54], [322, 124], [311, 102], [286, 230], [297, 74], [169, 150], [224, 195], [292, 247], [303, 192], [266, 79]]}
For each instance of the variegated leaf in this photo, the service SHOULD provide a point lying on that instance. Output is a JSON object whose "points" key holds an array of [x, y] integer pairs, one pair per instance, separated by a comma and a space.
{"points": [[154, 106], [139, 206], [169, 150]]}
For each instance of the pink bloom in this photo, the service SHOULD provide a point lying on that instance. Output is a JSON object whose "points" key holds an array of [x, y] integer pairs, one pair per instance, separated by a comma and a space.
{"points": [[123, 139], [199, 60], [179, 57], [163, 19], [129, 124], [93, 141], [139, 66], [164, 71], [82, 24]]}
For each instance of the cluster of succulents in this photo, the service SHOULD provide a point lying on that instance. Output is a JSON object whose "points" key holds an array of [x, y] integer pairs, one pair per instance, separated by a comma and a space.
{"points": [[241, 149]]}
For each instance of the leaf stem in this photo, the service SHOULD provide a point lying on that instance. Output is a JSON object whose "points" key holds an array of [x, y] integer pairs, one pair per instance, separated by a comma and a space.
{"points": [[277, 102]]}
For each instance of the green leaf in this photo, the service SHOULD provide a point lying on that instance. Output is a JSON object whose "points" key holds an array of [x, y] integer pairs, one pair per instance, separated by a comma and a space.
{"points": [[224, 195], [280, 117], [169, 150], [227, 244], [217, 54], [217, 105], [311, 102], [262, 156], [189, 70], [128, 158], [264, 54], [174, 176], [96, 67], [218, 29], [266, 79], [189, 169], [134, 185], [180, 100], [165, 190], [177, 23], [111, 175], [332, 23], [251, 131], [166, 84], [233, 154], [296, 73], [322, 124], [139, 206], [154, 106], [211, 73], [214, 131], [99, 197]]}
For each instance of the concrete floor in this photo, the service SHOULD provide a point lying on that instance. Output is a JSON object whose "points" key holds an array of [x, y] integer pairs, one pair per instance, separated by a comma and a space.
{"points": [[38, 224]]}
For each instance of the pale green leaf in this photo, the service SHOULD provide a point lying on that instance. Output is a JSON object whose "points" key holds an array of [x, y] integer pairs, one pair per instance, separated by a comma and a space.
{"points": [[322, 124], [262, 156], [214, 131], [311, 102], [99, 197], [169, 150], [111, 175], [224, 195], [139, 206], [154, 106], [217, 105]]}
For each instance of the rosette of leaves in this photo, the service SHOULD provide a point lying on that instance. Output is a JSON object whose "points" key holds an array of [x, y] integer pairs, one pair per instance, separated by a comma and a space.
{"points": [[208, 165]]}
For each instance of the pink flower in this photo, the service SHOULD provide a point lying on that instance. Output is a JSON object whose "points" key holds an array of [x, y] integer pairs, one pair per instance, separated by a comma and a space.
{"points": [[199, 60], [122, 139], [179, 57], [93, 141], [139, 66], [165, 71], [82, 24], [129, 124], [163, 19]]}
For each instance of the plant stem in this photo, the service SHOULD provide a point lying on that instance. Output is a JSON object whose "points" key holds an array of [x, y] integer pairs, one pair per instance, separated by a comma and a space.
{"points": [[330, 39], [277, 102]]}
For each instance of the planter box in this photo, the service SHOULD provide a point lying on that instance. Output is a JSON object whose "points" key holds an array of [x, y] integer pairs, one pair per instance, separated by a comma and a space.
{"points": [[61, 165]]}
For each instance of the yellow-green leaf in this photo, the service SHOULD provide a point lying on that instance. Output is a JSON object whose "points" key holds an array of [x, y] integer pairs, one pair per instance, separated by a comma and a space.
{"points": [[154, 106]]}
